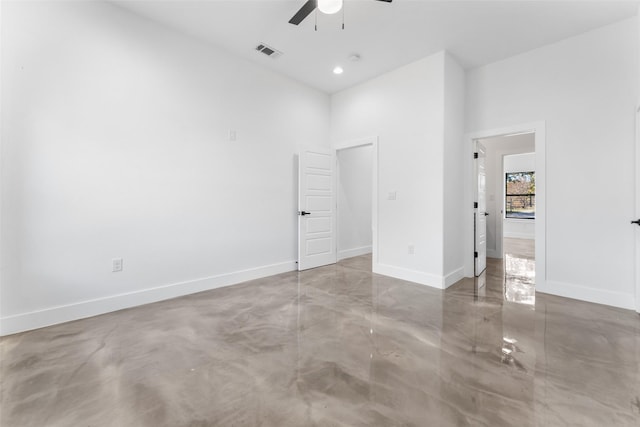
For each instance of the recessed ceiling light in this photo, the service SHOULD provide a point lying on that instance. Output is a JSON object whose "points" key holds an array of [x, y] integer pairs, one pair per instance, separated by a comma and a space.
{"points": [[338, 70]]}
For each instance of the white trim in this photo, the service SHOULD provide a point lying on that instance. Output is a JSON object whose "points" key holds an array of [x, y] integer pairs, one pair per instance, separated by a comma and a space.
{"points": [[583, 293], [529, 236], [349, 253], [637, 192], [538, 128], [80, 310], [492, 253], [637, 216], [373, 141], [453, 277], [370, 140], [410, 275]]}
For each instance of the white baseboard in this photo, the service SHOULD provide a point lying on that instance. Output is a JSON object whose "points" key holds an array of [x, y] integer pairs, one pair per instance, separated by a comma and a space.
{"points": [[60, 314], [453, 277], [348, 253], [491, 253], [513, 235], [583, 293], [410, 275]]}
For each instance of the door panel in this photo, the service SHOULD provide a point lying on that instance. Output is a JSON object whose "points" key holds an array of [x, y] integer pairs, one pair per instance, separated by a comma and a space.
{"points": [[316, 198], [637, 227], [480, 214]]}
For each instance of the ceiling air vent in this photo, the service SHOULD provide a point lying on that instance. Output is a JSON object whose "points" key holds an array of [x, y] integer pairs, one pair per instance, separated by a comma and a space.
{"points": [[268, 50]]}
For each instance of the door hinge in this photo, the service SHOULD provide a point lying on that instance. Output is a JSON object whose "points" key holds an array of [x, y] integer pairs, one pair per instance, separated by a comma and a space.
{"points": [[475, 254], [475, 205], [475, 155]]}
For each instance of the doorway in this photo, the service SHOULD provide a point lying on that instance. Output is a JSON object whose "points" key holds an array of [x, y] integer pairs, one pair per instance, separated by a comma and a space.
{"points": [[354, 201], [321, 240], [518, 216], [515, 224], [357, 200], [506, 202]]}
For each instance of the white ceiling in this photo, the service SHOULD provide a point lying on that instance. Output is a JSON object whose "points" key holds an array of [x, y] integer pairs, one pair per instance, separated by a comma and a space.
{"points": [[386, 35]]}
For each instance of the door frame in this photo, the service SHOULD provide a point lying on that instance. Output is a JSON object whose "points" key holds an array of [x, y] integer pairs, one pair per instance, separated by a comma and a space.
{"points": [[373, 142], [539, 130], [637, 209], [476, 211]]}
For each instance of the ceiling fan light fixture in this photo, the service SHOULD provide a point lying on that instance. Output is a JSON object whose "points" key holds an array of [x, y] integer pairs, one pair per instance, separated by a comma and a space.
{"points": [[329, 7]]}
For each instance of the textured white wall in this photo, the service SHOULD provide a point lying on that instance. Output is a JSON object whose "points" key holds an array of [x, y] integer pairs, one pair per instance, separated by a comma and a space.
{"points": [[115, 144], [585, 89], [354, 200]]}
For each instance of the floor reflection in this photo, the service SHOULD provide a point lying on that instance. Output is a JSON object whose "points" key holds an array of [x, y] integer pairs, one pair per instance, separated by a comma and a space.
{"points": [[519, 271], [334, 346]]}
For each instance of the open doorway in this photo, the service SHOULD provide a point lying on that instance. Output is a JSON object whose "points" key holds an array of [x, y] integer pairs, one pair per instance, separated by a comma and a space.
{"points": [[514, 185], [356, 202], [338, 203], [509, 171], [518, 231]]}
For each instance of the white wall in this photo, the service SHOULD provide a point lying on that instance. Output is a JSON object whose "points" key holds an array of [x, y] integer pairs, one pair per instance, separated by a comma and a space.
{"points": [[496, 149], [518, 228], [454, 99], [585, 89], [405, 109], [354, 201], [525, 162], [115, 144]]}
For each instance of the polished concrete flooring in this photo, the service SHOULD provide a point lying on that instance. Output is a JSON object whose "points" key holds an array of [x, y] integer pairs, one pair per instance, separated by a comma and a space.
{"points": [[334, 346]]}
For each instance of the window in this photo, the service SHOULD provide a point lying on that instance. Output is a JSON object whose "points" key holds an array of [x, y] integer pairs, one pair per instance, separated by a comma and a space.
{"points": [[520, 195]]}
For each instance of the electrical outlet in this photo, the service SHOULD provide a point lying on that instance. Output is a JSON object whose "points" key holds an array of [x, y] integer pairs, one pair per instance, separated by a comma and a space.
{"points": [[392, 195], [232, 135], [411, 249], [116, 264]]}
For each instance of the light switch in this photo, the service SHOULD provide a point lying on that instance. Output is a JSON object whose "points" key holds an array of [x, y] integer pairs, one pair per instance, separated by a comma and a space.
{"points": [[392, 195]]}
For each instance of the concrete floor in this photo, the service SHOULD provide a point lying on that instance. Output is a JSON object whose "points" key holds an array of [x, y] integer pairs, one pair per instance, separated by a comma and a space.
{"points": [[334, 346]]}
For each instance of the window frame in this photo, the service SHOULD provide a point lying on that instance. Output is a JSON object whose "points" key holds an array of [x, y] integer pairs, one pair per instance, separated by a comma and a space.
{"points": [[507, 194]]}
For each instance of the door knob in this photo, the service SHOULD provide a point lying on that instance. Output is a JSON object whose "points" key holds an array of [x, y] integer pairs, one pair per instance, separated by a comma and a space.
{"points": [[486, 214], [303, 213], [637, 221]]}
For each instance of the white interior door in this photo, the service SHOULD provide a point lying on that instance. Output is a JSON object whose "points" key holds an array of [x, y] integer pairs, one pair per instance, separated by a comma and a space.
{"points": [[316, 208], [480, 213], [637, 218]]}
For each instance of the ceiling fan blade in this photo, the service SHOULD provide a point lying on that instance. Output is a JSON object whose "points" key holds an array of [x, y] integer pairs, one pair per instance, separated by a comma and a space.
{"points": [[304, 11]]}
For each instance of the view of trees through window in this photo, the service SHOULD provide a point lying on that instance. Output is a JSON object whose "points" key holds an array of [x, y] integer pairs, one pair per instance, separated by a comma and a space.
{"points": [[520, 190]]}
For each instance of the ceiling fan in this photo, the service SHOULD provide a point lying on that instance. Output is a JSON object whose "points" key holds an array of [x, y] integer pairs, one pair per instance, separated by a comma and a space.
{"points": [[325, 6]]}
